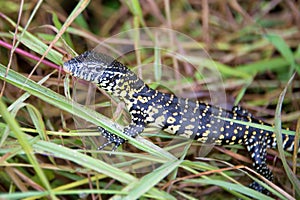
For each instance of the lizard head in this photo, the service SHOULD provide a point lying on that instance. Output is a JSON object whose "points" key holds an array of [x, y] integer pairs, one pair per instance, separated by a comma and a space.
{"points": [[89, 66], [104, 71]]}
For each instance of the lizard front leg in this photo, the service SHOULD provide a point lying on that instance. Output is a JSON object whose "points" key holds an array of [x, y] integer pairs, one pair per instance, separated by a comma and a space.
{"points": [[132, 130]]}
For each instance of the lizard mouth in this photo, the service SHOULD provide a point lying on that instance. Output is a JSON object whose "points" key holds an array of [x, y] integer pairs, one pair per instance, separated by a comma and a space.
{"points": [[66, 68]]}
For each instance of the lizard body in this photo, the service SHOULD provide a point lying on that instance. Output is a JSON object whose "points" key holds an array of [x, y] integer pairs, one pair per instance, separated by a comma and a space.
{"points": [[192, 119]]}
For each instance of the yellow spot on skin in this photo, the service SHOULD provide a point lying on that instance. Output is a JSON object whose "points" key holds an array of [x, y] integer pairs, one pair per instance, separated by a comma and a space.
{"points": [[202, 139], [222, 129], [254, 132], [123, 93], [267, 134], [286, 139], [233, 138], [171, 120], [218, 142], [159, 120], [172, 129], [188, 133], [221, 137], [196, 108], [235, 131], [190, 126], [205, 134]]}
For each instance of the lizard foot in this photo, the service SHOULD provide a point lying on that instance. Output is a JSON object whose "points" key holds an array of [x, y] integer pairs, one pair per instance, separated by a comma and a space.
{"points": [[111, 139]]}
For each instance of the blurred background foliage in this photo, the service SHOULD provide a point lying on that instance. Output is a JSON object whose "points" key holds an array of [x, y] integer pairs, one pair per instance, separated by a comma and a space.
{"points": [[255, 45]]}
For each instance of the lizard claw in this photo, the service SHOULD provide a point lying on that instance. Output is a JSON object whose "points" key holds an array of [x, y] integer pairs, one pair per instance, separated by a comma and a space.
{"points": [[111, 138]]}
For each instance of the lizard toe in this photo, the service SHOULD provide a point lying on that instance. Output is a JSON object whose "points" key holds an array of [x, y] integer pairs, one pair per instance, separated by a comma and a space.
{"points": [[111, 139]]}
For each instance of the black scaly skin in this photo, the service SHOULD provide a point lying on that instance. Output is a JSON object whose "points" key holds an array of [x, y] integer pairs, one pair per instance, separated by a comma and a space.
{"points": [[192, 119]]}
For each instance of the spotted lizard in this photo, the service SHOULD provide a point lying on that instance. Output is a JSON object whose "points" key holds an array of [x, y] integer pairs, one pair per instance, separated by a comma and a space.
{"points": [[181, 116]]}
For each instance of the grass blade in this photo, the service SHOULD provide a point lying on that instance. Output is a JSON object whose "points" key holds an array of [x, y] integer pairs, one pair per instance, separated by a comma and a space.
{"points": [[15, 128], [292, 177], [76, 109]]}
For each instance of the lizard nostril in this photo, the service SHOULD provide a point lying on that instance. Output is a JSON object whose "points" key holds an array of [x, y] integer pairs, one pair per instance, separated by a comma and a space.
{"points": [[66, 67]]}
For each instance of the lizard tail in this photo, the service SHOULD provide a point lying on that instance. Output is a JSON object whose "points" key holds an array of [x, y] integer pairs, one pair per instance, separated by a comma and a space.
{"points": [[288, 142]]}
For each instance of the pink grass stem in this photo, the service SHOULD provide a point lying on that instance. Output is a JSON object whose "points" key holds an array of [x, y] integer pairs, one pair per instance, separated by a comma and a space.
{"points": [[24, 53]]}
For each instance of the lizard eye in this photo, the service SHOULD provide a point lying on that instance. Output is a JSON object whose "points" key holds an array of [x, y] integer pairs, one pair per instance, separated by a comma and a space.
{"points": [[98, 69]]}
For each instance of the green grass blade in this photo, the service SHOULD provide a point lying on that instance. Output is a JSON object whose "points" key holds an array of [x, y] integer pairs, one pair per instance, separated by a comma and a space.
{"points": [[15, 128], [19, 101], [76, 109], [282, 47], [292, 177], [84, 160], [225, 70], [39, 47], [37, 120], [151, 179], [88, 162], [235, 187]]}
